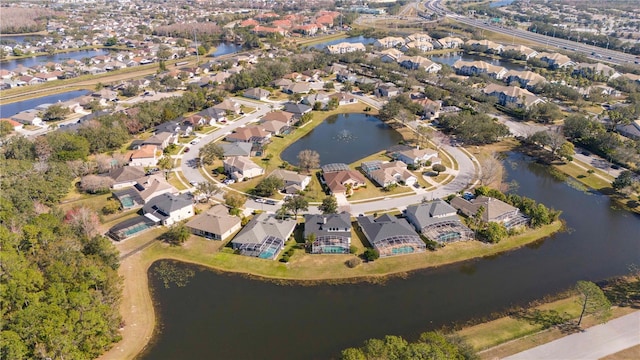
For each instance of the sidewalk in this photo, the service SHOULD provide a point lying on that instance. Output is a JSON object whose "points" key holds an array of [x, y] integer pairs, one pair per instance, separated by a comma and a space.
{"points": [[594, 343]]}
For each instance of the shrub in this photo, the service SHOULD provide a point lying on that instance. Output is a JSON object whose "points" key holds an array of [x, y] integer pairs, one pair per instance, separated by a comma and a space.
{"points": [[111, 207], [371, 254], [353, 249], [285, 258], [353, 262]]}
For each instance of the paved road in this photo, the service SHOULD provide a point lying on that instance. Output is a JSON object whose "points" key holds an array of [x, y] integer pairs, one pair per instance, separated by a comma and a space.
{"points": [[612, 56], [594, 343]]}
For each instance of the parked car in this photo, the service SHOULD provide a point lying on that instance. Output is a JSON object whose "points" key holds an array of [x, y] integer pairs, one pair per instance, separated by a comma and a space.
{"points": [[194, 141], [228, 181], [186, 149], [261, 201]]}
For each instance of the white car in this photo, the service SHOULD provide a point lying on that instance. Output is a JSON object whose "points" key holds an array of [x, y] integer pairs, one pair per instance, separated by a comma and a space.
{"points": [[261, 201], [228, 181], [195, 141]]}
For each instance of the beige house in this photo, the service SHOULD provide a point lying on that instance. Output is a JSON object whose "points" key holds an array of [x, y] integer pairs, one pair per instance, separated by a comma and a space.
{"points": [[293, 182], [215, 223], [479, 67], [526, 79], [512, 95], [345, 47], [240, 167], [146, 155], [389, 173]]}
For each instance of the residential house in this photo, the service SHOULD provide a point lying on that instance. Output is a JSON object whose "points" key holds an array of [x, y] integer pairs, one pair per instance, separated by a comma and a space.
{"points": [[263, 236], [282, 116], [526, 79], [195, 120], [479, 67], [525, 51], [344, 98], [168, 209], [420, 45], [419, 62], [340, 179], [229, 106], [389, 42], [14, 124], [143, 190], [274, 127], [388, 173], [512, 95], [438, 221], [556, 60], [422, 37], [257, 94], [125, 176], [146, 155], [161, 139], [240, 168], [282, 83], [108, 95], [251, 134], [216, 115], [320, 97], [430, 107], [386, 90], [450, 42], [390, 235], [215, 223], [586, 69], [494, 210], [345, 47], [413, 156], [236, 149], [293, 182], [485, 46], [390, 55], [29, 117], [297, 109], [631, 130], [298, 88], [332, 232]]}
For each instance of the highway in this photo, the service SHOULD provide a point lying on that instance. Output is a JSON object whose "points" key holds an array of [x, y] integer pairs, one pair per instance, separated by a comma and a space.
{"points": [[606, 55]]}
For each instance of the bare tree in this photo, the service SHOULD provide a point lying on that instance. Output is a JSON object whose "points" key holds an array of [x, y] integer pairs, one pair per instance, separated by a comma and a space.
{"points": [[95, 183], [491, 170], [425, 134], [81, 168], [208, 189], [84, 220], [308, 159]]}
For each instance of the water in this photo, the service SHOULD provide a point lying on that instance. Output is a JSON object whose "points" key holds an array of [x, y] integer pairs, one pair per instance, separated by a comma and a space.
{"points": [[451, 58], [226, 48], [344, 138], [356, 39], [8, 110], [57, 58], [225, 316], [21, 39], [501, 3]]}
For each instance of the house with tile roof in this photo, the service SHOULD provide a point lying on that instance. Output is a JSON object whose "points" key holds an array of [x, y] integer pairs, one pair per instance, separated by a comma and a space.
{"points": [[146, 155], [215, 223], [278, 115], [479, 67], [512, 95], [263, 236], [251, 134], [438, 221], [332, 232], [343, 181], [526, 79], [556, 60], [388, 173]]}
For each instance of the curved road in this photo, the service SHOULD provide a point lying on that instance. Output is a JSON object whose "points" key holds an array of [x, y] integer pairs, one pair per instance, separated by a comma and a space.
{"points": [[463, 178]]}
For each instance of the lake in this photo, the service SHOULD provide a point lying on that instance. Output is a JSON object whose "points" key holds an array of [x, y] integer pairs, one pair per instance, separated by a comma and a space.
{"points": [[501, 3], [226, 48], [451, 58], [344, 138], [355, 39], [58, 58], [225, 316], [8, 110]]}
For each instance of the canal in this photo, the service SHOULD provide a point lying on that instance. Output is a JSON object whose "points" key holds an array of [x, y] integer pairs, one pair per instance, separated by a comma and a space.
{"points": [[227, 316], [8, 110], [56, 58]]}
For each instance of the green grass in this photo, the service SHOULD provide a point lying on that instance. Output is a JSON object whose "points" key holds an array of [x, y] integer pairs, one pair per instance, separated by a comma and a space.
{"points": [[174, 180], [327, 267]]}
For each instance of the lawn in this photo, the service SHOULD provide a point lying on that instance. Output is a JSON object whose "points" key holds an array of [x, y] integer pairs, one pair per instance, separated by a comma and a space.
{"points": [[371, 191], [580, 174], [174, 179]]}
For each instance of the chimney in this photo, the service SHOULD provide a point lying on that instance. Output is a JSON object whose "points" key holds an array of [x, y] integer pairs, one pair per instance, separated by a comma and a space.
{"points": [[324, 220]]}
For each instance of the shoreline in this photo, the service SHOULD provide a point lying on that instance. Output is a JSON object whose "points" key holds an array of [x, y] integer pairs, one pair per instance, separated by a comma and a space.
{"points": [[138, 308]]}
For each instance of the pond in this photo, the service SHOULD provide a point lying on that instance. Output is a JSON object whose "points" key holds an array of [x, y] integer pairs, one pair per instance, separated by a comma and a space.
{"points": [[451, 58], [226, 48], [356, 39], [58, 58], [344, 138], [225, 316], [8, 110]]}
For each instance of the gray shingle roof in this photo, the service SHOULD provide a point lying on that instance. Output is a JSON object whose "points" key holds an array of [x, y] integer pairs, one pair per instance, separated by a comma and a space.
{"points": [[336, 224], [426, 214], [263, 225], [384, 227]]}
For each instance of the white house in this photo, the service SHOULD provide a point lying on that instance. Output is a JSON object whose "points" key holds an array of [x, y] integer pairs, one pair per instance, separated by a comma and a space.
{"points": [[240, 167]]}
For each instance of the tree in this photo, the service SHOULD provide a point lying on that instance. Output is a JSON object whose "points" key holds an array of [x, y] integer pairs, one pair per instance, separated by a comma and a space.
{"points": [[234, 199], [623, 180], [55, 112], [593, 300], [296, 204], [208, 189], [328, 85], [94, 184], [210, 152], [566, 151], [269, 186], [308, 159], [424, 135], [83, 220], [111, 41], [177, 234], [5, 129], [165, 164], [371, 254], [494, 232], [491, 169], [438, 168], [329, 205]]}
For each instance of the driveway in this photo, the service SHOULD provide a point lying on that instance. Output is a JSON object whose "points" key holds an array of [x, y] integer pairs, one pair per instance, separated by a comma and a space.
{"points": [[593, 343]]}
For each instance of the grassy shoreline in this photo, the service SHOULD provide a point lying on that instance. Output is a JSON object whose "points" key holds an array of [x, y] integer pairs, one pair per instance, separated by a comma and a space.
{"points": [[137, 308]]}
